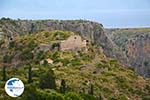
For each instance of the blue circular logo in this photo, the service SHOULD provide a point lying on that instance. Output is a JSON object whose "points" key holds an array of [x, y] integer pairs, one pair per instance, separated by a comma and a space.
{"points": [[14, 87]]}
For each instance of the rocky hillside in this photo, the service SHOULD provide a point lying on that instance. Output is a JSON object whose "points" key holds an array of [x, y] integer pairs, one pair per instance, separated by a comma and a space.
{"points": [[116, 43], [90, 30], [51, 73], [135, 44]]}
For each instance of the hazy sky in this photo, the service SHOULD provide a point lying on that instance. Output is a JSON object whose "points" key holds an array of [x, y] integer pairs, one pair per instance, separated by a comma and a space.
{"points": [[111, 13]]}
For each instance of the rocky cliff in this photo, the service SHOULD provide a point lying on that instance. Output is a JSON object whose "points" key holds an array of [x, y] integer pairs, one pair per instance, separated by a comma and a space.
{"points": [[135, 44], [90, 30], [116, 43]]}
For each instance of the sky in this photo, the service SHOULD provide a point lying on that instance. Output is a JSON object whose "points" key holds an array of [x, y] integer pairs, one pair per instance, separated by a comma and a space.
{"points": [[111, 13]]}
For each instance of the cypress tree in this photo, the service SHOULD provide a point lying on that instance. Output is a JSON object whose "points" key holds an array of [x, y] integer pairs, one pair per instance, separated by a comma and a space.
{"points": [[4, 73], [30, 74], [91, 92], [63, 86], [47, 80]]}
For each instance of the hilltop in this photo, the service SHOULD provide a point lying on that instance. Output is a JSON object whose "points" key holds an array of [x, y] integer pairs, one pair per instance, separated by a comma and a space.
{"points": [[92, 31]]}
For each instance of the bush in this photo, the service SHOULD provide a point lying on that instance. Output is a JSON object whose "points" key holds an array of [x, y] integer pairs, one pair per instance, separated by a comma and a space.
{"points": [[146, 98], [86, 56], [65, 61], [29, 93], [55, 56], [72, 96], [32, 44], [39, 56], [75, 62], [1, 42], [47, 80], [48, 94], [122, 97], [122, 82], [7, 58], [26, 55], [87, 97], [12, 44]]}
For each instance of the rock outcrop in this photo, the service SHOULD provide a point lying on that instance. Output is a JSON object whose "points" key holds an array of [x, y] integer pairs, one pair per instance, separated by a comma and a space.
{"points": [[135, 44], [138, 53]]}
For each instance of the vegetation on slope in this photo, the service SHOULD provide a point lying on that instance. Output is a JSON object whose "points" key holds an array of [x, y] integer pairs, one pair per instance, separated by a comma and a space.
{"points": [[74, 75]]}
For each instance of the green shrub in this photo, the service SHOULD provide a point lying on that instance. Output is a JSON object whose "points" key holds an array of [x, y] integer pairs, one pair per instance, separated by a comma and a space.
{"points": [[32, 44], [101, 65], [30, 93], [1, 42], [63, 86], [122, 82], [72, 96], [86, 56], [48, 94], [39, 56], [26, 55], [55, 56], [146, 98], [7, 58], [75, 62], [122, 97], [87, 97], [12, 44], [65, 61], [47, 80]]}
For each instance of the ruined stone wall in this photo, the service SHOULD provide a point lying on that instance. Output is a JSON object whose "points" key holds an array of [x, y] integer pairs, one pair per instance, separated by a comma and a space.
{"points": [[72, 43]]}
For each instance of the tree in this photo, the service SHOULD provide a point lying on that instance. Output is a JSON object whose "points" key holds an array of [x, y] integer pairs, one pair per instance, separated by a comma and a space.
{"points": [[4, 73], [32, 28], [47, 80], [63, 86], [91, 92], [29, 93], [6, 60], [30, 74]]}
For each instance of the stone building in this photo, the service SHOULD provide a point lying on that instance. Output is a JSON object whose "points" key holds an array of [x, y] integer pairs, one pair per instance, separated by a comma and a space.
{"points": [[74, 42]]}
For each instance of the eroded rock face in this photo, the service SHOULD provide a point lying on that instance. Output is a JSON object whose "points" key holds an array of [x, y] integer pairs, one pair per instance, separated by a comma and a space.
{"points": [[135, 44], [84, 28], [138, 53]]}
